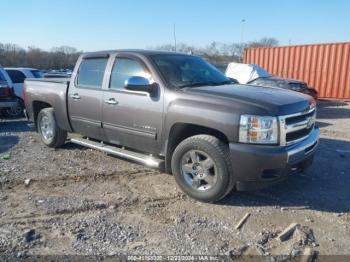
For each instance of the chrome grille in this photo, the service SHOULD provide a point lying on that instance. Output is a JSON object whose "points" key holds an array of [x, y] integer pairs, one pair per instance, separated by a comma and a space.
{"points": [[296, 127]]}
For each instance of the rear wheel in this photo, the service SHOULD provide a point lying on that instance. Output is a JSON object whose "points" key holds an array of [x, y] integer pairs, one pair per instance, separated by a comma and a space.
{"points": [[50, 133], [202, 168], [16, 111]]}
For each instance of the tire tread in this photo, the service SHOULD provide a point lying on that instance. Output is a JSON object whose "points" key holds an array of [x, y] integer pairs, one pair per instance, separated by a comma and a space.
{"points": [[223, 150]]}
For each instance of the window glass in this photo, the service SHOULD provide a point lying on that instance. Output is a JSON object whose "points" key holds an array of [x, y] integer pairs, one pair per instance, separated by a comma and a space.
{"points": [[37, 73], [123, 69], [16, 76], [91, 72], [184, 70]]}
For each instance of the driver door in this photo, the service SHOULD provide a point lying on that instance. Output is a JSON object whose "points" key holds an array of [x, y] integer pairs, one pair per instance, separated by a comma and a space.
{"points": [[131, 118]]}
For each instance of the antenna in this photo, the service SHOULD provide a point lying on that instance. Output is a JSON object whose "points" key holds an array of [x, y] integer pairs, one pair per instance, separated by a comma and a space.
{"points": [[242, 30]]}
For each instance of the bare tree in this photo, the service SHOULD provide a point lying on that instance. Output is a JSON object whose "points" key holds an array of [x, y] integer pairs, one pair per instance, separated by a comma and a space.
{"points": [[264, 42], [66, 56], [59, 57]]}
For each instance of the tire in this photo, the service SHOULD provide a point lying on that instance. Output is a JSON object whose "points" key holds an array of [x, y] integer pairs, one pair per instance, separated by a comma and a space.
{"points": [[207, 160], [50, 133], [17, 111]]}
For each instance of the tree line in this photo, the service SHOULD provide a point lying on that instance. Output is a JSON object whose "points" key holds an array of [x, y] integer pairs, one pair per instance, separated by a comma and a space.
{"points": [[220, 53], [64, 57]]}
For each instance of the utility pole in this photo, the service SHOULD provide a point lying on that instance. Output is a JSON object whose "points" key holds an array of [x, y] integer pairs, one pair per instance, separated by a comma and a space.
{"points": [[242, 37], [242, 30], [175, 36]]}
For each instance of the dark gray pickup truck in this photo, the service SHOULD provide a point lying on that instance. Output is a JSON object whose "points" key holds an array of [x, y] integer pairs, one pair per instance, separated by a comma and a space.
{"points": [[178, 113]]}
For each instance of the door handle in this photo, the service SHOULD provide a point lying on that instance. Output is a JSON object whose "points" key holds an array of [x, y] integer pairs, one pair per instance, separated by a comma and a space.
{"points": [[75, 96], [111, 101]]}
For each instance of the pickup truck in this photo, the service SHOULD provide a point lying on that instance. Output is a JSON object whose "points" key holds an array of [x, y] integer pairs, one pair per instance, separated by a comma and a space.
{"points": [[178, 113]]}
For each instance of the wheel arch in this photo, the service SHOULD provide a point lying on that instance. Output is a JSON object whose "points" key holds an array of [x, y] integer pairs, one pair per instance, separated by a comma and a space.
{"points": [[181, 131], [37, 107]]}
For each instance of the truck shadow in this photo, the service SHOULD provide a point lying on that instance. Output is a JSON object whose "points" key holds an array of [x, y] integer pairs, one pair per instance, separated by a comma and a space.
{"points": [[333, 110], [8, 139], [7, 142], [320, 124], [16, 126], [325, 186]]}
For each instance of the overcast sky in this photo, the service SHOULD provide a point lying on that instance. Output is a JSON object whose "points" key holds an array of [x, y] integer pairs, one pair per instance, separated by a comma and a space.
{"points": [[111, 24]]}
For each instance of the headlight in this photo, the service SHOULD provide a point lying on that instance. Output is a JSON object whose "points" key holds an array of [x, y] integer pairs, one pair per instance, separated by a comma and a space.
{"points": [[258, 129]]}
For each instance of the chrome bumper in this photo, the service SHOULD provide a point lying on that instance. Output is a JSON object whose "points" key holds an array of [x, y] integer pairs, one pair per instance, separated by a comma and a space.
{"points": [[304, 148]]}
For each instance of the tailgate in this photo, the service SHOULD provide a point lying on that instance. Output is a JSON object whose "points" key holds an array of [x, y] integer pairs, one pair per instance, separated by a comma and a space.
{"points": [[5, 91]]}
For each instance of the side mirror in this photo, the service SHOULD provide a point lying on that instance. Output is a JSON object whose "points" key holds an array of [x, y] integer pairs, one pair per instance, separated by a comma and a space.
{"points": [[142, 84]]}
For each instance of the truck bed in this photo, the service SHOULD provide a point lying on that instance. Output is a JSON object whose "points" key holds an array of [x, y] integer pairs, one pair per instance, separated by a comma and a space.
{"points": [[52, 91], [50, 80]]}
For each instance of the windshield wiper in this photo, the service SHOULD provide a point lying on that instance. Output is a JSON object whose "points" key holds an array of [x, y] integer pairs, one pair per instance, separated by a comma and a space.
{"points": [[207, 83], [227, 82], [195, 84]]}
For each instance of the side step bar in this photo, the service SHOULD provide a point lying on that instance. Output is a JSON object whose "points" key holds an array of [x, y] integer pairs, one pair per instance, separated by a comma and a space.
{"points": [[120, 152]]}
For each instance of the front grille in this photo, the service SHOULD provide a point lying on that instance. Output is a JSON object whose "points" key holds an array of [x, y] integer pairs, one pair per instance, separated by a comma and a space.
{"points": [[297, 127], [295, 119], [292, 136]]}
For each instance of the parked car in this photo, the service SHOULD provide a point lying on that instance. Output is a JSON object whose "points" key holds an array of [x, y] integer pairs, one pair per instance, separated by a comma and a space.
{"points": [[18, 75], [8, 102], [252, 74], [181, 114]]}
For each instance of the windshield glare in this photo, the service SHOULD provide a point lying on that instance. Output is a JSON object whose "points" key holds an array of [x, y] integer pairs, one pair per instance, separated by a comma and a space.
{"points": [[186, 71]]}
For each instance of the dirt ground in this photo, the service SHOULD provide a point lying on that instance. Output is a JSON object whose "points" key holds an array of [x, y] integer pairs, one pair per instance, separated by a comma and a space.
{"points": [[84, 202]]}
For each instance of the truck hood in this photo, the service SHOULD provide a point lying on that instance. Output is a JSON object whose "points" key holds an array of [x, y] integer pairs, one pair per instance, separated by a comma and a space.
{"points": [[275, 101]]}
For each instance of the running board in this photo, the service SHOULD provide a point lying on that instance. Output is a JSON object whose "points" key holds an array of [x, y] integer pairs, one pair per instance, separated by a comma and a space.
{"points": [[147, 160]]}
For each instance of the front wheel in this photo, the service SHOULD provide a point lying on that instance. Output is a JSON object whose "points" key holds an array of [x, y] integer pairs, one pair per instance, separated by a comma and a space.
{"points": [[202, 168], [50, 133]]}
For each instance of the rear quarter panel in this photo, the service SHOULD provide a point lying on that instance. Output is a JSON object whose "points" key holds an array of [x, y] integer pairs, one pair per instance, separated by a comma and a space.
{"points": [[51, 92]]}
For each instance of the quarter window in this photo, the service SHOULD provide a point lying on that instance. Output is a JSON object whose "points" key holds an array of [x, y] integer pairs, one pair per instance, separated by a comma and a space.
{"points": [[91, 72], [125, 68]]}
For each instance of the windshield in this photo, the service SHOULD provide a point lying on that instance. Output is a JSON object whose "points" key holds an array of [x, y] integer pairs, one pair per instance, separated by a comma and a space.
{"points": [[188, 71]]}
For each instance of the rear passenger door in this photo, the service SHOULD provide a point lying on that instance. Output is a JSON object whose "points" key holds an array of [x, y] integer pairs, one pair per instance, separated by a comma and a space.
{"points": [[85, 95], [131, 118]]}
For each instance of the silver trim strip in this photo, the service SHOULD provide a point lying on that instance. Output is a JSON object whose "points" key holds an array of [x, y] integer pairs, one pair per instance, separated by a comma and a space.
{"points": [[285, 129], [312, 140]]}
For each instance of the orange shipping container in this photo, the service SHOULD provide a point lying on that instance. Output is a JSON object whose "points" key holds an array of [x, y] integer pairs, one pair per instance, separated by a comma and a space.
{"points": [[326, 67]]}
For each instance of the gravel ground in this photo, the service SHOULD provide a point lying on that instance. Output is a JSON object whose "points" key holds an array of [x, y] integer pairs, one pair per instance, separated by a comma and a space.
{"points": [[84, 202]]}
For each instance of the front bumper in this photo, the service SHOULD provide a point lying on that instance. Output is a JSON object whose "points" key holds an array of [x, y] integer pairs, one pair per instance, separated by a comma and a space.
{"points": [[257, 166], [8, 103]]}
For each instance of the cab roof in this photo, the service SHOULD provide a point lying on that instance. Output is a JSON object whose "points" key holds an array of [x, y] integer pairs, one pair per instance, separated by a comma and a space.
{"points": [[130, 51]]}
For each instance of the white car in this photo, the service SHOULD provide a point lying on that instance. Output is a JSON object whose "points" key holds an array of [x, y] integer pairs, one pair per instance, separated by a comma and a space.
{"points": [[18, 75]]}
